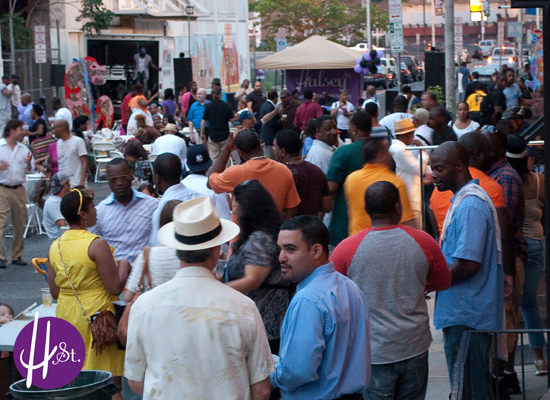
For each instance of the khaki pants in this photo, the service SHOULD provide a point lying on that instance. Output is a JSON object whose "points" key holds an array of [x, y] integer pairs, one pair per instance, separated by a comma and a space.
{"points": [[215, 148], [14, 200], [511, 306]]}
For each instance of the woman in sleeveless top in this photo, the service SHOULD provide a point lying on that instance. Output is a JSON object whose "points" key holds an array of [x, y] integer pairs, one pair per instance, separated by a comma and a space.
{"points": [[93, 272], [533, 187]]}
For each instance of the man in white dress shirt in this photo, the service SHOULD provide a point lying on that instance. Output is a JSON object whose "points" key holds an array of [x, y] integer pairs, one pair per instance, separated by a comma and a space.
{"points": [[407, 166], [170, 143], [15, 162], [194, 337], [167, 180], [62, 112]]}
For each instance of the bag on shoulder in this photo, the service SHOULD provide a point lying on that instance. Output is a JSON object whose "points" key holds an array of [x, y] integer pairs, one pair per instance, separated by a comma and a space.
{"points": [[102, 324], [122, 329], [487, 109]]}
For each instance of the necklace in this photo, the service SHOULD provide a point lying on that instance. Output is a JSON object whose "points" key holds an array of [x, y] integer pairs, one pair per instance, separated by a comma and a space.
{"points": [[257, 158]]}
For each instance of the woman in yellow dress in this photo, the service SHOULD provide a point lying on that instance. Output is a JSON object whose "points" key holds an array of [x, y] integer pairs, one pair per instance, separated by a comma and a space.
{"points": [[95, 275]]}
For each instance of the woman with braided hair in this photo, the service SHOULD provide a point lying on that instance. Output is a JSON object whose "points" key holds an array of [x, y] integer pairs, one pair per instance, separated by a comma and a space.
{"points": [[84, 261]]}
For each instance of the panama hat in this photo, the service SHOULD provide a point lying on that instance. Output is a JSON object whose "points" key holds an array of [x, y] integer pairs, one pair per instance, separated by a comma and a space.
{"points": [[171, 128], [404, 126], [197, 226]]}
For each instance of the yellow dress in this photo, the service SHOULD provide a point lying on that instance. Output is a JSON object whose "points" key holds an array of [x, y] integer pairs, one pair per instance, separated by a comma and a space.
{"points": [[91, 291]]}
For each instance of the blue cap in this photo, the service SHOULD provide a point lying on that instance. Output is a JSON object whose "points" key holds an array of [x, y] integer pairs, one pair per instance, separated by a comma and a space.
{"points": [[245, 115], [198, 158]]}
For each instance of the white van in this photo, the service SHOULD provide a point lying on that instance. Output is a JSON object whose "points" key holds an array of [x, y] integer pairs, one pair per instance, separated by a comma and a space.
{"points": [[487, 46]]}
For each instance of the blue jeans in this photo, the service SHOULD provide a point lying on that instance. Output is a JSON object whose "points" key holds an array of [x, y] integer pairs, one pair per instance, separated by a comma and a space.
{"points": [[533, 269], [406, 380], [477, 374]]}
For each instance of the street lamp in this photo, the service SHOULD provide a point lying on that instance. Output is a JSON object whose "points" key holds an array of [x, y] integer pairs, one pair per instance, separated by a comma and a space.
{"points": [[189, 10]]}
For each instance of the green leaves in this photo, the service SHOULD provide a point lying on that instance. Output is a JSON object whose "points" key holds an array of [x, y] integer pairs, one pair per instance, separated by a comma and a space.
{"points": [[98, 16], [334, 19], [22, 35]]}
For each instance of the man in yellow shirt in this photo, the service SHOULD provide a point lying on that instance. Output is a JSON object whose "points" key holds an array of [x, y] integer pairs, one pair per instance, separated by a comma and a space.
{"points": [[378, 167]]}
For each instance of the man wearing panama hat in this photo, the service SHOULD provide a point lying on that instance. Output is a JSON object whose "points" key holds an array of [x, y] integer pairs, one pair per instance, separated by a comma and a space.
{"points": [[194, 337], [407, 166]]}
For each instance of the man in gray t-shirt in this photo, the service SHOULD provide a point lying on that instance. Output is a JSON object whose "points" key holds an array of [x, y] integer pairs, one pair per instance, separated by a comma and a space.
{"points": [[53, 219]]}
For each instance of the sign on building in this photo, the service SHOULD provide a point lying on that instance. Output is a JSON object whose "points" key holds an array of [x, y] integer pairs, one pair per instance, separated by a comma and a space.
{"points": [[281, 44], [515, 29], [40, 53], [228, 37]]}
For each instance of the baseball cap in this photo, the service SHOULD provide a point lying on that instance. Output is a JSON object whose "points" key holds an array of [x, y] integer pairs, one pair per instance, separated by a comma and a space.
{"points": [[57, 182], [245, 115], [142, 50], [216, 81], [5, 77], [198, 158]]}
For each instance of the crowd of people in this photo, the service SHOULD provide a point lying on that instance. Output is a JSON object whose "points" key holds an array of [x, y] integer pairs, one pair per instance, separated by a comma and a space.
{"points": [[283, 248]]}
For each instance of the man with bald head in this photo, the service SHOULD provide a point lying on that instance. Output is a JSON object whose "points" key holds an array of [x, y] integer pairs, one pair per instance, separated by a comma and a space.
{"points": [[394, 280], [470, 242], [72, 156], [24, 109], [441, 131]]}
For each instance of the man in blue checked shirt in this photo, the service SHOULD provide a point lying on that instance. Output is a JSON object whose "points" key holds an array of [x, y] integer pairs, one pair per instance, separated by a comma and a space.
{"points": [[325, 338], [125, 218]]}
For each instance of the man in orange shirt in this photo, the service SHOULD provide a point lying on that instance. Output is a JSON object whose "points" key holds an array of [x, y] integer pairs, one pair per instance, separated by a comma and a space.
{"points": [[275, 177], [378, 164], [480, 161]]}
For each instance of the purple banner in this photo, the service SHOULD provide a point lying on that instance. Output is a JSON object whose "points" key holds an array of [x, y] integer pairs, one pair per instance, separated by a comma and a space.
{"points": [[331, 81]]}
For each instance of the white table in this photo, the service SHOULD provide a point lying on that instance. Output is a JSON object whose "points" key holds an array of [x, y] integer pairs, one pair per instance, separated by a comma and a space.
{"points": [[10, 330]]}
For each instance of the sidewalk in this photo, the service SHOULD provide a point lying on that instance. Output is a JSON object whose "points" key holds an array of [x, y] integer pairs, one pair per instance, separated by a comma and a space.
{"points": [[438, 381]]}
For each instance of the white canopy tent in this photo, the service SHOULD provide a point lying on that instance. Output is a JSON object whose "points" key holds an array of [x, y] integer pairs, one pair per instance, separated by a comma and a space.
{"points": [[315, 52]]}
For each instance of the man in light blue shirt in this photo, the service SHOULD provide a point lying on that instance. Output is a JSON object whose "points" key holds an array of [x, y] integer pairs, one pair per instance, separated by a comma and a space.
{"points": [[475, 300], [166, 177], [124, 219], [325, 337], [196, 111]]}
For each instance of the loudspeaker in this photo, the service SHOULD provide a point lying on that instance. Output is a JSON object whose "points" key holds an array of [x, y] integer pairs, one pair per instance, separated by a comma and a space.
{"points": [[57, 75], [183, 72], [434, 75]]}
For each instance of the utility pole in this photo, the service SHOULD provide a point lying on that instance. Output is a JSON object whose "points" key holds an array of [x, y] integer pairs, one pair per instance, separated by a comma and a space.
{"points": [[12, 40], [450, 83], [433, 23], [520, 44], [369, 33]]}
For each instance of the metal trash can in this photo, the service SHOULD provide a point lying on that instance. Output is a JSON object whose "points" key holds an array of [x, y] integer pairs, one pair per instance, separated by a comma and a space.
{"points": [[88, 385]]}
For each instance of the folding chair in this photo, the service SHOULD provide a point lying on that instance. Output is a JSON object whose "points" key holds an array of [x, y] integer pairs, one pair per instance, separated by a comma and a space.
{"points": [[40, 265], [104, 153]]}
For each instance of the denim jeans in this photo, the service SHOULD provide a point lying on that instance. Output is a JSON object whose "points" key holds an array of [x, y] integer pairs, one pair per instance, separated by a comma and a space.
{"points": [[533, 269], [477, 374], [406, 380], [142, 78]]}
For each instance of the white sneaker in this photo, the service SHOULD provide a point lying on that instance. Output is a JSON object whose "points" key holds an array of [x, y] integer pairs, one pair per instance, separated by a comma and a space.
{"points": [[541, 367]]}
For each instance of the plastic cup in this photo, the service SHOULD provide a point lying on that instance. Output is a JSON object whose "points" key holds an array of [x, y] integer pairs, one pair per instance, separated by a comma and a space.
{"points": [[46, 297]]}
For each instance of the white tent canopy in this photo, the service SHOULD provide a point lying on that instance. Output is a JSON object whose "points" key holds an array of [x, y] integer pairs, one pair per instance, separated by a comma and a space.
{"points": [[315, 52]]}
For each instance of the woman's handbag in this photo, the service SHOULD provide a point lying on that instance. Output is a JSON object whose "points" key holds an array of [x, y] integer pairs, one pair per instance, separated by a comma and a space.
{"points": [[102, 324], [122, 329]]}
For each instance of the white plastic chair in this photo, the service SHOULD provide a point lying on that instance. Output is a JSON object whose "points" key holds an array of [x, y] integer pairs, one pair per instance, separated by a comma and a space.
{"points": [[104, 153], [153, 157], [34, 213]]}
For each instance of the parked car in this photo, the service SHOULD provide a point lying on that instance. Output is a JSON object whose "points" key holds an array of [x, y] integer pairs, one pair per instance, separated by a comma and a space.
{"points": [[390, 64], [504, 55], [474, 51], [406, 76], [485, 73], [487, 47], [380, 78], [413, 66]]}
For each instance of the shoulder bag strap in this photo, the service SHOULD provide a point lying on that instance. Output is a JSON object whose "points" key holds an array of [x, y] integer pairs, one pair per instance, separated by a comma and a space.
{"points": [[424, 139], [70, 283]]}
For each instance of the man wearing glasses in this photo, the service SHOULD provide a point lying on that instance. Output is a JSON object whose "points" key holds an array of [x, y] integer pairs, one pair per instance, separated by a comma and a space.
{"points": [[125, 217]]}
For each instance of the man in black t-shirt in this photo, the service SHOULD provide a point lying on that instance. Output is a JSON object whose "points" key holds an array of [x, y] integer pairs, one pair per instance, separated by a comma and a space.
{"points": [[495, 101], [438, 122], [255, 99], [217, 114]]}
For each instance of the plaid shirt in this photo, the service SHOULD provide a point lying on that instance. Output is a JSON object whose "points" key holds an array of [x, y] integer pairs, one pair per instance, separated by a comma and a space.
{"points": [[508, 178]]}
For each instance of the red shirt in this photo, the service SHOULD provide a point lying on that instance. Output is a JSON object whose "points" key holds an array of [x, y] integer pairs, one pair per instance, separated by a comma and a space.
{"points": [[124, 108], [306, 111]]}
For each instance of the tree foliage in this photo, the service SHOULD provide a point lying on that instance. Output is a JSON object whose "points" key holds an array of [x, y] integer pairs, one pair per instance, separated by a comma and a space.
{"points": [[303, 18], [22, 36], [96, 15]]}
